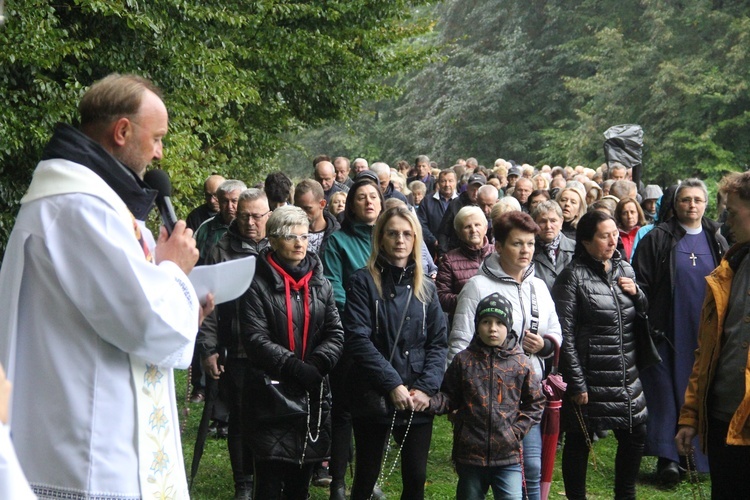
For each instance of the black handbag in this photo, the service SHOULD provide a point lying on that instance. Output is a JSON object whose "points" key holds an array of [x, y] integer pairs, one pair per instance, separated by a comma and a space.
{"points": [[646, 353], [279, 401]]}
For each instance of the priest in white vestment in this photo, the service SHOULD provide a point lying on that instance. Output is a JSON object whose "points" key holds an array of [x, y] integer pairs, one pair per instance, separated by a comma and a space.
{"points": [[96, 314]]}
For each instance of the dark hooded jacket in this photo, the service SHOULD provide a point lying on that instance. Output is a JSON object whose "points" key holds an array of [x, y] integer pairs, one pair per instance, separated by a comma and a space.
{"points": [[265, 336], [497, 399], [446, 234], [221, 328], [371, 324], [332, 225], [598, 351]]}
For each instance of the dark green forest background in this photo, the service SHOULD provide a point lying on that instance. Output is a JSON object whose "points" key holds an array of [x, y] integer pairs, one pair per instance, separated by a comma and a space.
{"points": [[540, 81], [254, 86]]}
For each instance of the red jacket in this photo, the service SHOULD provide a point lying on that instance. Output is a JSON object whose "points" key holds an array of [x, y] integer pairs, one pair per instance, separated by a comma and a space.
{"points": [[457, 267]]}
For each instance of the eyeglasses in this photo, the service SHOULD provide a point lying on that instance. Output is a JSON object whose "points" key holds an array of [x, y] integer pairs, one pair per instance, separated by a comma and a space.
{"points": [[255, 217], [394, 235], [293, 237], [210, 196], [687, 200]]}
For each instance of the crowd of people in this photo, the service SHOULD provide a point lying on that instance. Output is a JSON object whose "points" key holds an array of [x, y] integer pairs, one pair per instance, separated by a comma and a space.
{"points": [[559, 247], [382, 298]]}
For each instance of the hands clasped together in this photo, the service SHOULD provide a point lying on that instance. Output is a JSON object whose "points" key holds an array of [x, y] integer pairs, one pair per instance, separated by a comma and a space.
{"points": [[405, 399]]}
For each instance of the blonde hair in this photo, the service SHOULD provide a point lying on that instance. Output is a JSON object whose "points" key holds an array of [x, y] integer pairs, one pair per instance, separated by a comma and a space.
{"points": [[582, 208], [419, 284]]}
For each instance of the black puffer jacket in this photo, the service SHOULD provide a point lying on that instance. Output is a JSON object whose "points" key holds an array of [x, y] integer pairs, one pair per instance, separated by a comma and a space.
{"points": [[598, 350], [264, 333], [371, 323], [653, 263]]}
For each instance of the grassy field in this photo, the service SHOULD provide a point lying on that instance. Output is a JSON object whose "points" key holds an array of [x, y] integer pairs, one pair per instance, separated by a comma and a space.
{"points": [[214, 479]]}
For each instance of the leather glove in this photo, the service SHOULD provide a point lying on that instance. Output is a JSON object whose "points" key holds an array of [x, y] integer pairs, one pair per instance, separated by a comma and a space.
{"points": [[305, 374]]}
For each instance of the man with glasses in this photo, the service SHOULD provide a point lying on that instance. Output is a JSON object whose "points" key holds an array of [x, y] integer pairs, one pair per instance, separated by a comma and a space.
{"points": [[206, 236], [245, 236], [671, 263], [214, 228], [211, 206]]}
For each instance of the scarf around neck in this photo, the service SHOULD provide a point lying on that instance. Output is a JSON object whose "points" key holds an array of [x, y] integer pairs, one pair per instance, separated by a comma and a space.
{"points": [[296, 284]]}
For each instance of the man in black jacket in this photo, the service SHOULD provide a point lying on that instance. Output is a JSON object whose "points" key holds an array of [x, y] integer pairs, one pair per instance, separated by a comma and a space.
{"points": [[430, 212], [447, 237], [424, 174], [245, 236], [211, 206], [308, 195]]}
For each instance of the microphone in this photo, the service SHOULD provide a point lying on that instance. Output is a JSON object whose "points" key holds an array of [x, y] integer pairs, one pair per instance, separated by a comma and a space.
{"points": [[159, 180]]}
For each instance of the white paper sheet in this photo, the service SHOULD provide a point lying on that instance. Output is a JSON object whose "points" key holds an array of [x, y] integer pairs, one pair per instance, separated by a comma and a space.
{"points": [[226, 280]]}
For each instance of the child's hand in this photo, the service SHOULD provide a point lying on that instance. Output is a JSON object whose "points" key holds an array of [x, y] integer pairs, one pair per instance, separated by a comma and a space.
{"points": [[420, 399]]}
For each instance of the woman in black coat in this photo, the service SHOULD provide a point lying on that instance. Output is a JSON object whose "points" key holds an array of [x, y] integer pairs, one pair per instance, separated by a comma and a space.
{"points": [[597, 301], [292, 334], [396, 338]]}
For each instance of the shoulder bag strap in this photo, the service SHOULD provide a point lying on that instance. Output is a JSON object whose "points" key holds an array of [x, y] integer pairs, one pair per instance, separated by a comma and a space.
{"points": [[534, 327]]}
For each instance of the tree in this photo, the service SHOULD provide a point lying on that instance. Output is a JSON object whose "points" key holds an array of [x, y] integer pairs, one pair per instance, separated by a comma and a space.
{"points": [[236, 74], [678, 70], [540, 82]]}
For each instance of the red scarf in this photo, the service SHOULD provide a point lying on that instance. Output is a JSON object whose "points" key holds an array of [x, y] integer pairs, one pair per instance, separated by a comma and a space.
{"points": [[289, 285]]}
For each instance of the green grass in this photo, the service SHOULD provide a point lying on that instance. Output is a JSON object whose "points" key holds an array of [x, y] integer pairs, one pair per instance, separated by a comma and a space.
{"points": [[214, 479]]}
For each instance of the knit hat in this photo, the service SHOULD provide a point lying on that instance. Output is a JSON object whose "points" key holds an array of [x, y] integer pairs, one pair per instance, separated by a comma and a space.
{"points": [[498, 306]]}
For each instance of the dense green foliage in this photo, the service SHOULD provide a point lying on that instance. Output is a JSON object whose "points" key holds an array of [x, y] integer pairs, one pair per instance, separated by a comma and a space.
{"points": [[531, 81], [236, 74], [540, 81]]}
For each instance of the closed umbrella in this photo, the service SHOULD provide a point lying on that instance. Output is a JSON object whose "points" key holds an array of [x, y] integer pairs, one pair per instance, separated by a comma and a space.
{"points": [[553, 388]]}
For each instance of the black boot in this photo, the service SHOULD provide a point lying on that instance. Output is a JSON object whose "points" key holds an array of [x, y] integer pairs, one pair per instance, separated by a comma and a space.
{"points": [[338, 489], [667, 472]]}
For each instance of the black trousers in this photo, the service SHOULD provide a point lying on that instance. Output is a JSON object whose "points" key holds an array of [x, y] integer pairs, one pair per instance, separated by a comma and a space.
{"points": [[370, 441], [276, 480], [627, 462], [240, 454], [729, 465], [341, 426]]}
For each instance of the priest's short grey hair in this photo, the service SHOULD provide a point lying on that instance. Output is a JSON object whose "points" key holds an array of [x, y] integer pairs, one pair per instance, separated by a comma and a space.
{"points": [[283, 219]]}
